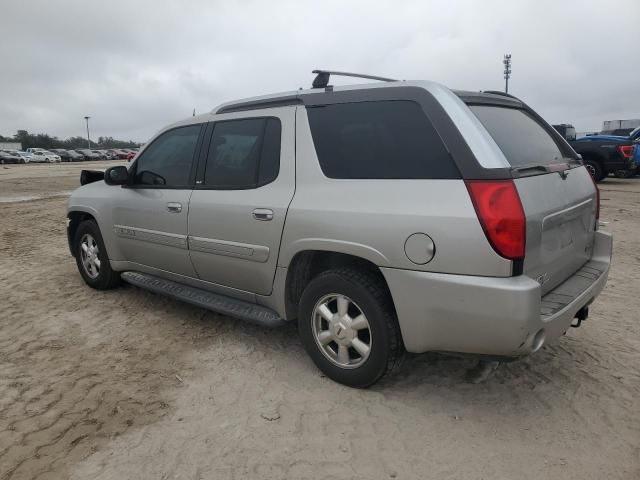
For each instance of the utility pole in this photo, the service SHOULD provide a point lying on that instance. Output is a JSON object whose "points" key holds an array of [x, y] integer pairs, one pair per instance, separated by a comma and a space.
{"points": [[507, 71], [88, 139]]}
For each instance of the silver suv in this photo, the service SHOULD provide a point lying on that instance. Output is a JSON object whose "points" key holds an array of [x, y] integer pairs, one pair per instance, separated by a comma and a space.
{"points": [[382, 218]]}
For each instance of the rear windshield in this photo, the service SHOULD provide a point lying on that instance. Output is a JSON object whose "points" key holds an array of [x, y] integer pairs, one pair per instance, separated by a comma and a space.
{"points": [[520, 137]]}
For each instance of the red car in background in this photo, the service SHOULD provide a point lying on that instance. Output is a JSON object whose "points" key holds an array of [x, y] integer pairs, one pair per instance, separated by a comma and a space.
{"points": [[118, 153]]}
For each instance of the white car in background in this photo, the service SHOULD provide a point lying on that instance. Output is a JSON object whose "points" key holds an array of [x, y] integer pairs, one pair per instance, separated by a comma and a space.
{"points": [[44, 156], [25, 155]]}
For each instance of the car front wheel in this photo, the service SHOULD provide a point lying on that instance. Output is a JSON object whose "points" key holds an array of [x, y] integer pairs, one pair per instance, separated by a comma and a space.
{"points": [[348, 327], [91, 257]]}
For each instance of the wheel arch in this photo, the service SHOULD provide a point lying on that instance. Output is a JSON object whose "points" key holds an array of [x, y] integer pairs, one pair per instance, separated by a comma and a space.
{"points": [[307, 264], [594, 156], [75, 217]]}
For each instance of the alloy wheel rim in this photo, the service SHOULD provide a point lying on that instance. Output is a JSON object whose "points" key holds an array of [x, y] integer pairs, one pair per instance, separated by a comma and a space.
{"points": [[341, 331], [90, 255], [591, 170]]}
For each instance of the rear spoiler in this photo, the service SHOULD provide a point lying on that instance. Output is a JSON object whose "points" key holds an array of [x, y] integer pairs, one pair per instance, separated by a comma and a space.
{"points": [[90, 176]]}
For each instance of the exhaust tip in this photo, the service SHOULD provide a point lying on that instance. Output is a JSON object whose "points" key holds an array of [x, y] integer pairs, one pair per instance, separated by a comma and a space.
{"points": [[538, 340]]}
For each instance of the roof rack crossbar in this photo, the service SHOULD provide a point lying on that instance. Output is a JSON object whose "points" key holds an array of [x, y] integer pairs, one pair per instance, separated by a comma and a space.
{"points": [[499, 92], [322, 77]]}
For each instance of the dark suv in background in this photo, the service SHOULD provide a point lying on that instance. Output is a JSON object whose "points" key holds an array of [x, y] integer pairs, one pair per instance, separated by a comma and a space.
{"points": [[602, 154], [88, 154], [68, 155]]}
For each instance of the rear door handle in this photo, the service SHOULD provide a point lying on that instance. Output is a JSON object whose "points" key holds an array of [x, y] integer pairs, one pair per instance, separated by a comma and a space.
{"points": [[174, 207], [263, 214]]}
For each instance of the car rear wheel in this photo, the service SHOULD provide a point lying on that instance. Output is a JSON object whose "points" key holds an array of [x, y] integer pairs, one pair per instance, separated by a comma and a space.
{"points": [[91, 257], [348, 327], [594, 169]]}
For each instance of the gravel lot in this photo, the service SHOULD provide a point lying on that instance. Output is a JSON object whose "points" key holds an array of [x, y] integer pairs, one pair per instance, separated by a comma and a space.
{"points": [[129, 385]]}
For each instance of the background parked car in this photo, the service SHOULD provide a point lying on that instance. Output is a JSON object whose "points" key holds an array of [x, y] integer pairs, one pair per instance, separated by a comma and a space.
{"points": [[88, 154], [25, 155], [68, 155], [63, 154], [601, 154], [45, 156], [101, 155], [118, 153], [111, 155], [75, 156], [8, 157]]}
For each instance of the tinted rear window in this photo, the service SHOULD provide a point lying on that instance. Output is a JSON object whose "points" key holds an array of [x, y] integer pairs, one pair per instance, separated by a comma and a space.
{"points": [[520, 137], [386, 139]]}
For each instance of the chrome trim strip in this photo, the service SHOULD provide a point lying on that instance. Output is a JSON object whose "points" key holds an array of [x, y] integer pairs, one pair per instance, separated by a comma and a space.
{"points": [[151, 236], [255, 253], [565, 215]]}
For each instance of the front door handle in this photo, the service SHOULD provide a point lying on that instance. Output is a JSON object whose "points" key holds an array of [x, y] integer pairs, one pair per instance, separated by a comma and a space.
{"points": [[174, 207], [263, 214]]}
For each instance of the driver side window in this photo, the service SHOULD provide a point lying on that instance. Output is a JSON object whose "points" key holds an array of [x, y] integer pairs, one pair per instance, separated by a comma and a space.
{"points": [[168, 160]]}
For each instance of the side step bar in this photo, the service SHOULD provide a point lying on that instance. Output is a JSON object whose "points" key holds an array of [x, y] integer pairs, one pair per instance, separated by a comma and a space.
{"points": [[256, 314]]}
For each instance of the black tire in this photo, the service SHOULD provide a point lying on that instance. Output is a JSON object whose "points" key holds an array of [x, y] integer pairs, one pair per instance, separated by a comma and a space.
{"points": [[372, 298], [594, 169], [106, 278]]}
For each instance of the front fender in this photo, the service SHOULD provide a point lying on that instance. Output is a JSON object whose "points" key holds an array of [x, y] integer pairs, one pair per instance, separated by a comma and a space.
{"points": [[94, 199]]}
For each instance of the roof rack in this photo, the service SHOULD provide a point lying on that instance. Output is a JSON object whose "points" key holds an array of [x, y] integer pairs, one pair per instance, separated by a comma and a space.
{"points": [[322, 77], [499, 92]]}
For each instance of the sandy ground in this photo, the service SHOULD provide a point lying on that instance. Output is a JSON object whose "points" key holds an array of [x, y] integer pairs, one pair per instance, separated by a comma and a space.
{"points": [[129, 385]]}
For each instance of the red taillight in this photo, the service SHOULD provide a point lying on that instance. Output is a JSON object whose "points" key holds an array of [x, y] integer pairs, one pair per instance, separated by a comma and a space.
{"points": [[625, 150], [500, 212]]}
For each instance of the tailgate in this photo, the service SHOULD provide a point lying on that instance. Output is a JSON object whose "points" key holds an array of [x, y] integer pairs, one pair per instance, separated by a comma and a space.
{"points": [[561, 220]]}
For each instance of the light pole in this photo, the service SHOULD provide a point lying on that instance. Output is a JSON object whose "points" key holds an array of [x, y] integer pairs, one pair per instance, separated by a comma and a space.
{"points": [[507, 71], [88, 139]]}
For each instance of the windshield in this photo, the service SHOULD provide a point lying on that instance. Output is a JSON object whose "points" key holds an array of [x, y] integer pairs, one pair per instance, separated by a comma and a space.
{"points": [[521, 138], [635, 133]]}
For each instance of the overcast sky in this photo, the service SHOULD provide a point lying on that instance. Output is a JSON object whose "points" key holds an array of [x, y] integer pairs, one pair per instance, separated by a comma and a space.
{"points": [[137, 65]]}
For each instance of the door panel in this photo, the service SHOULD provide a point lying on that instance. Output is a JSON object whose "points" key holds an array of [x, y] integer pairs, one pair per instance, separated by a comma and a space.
{"points": [[234, 234], [151, 233], [150, 216]]}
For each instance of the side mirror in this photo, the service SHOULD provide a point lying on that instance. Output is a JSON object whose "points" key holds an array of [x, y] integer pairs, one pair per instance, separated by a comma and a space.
{"points": [[118, 175]]}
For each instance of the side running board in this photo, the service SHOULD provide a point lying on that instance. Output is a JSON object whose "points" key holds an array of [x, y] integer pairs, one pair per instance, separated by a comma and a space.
{"points": [[247, 311]]}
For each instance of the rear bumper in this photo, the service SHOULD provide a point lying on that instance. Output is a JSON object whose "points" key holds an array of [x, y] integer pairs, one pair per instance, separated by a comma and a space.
{"points": [[489, 315]]}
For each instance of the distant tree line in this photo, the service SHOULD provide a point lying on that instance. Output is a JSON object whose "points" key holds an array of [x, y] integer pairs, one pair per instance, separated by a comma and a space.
{"points": [[42, 140]]}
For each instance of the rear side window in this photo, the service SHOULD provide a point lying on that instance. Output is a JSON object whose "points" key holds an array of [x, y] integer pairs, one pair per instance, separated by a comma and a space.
{"points": [[243, 153], [521, 138], [385, 139]]}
